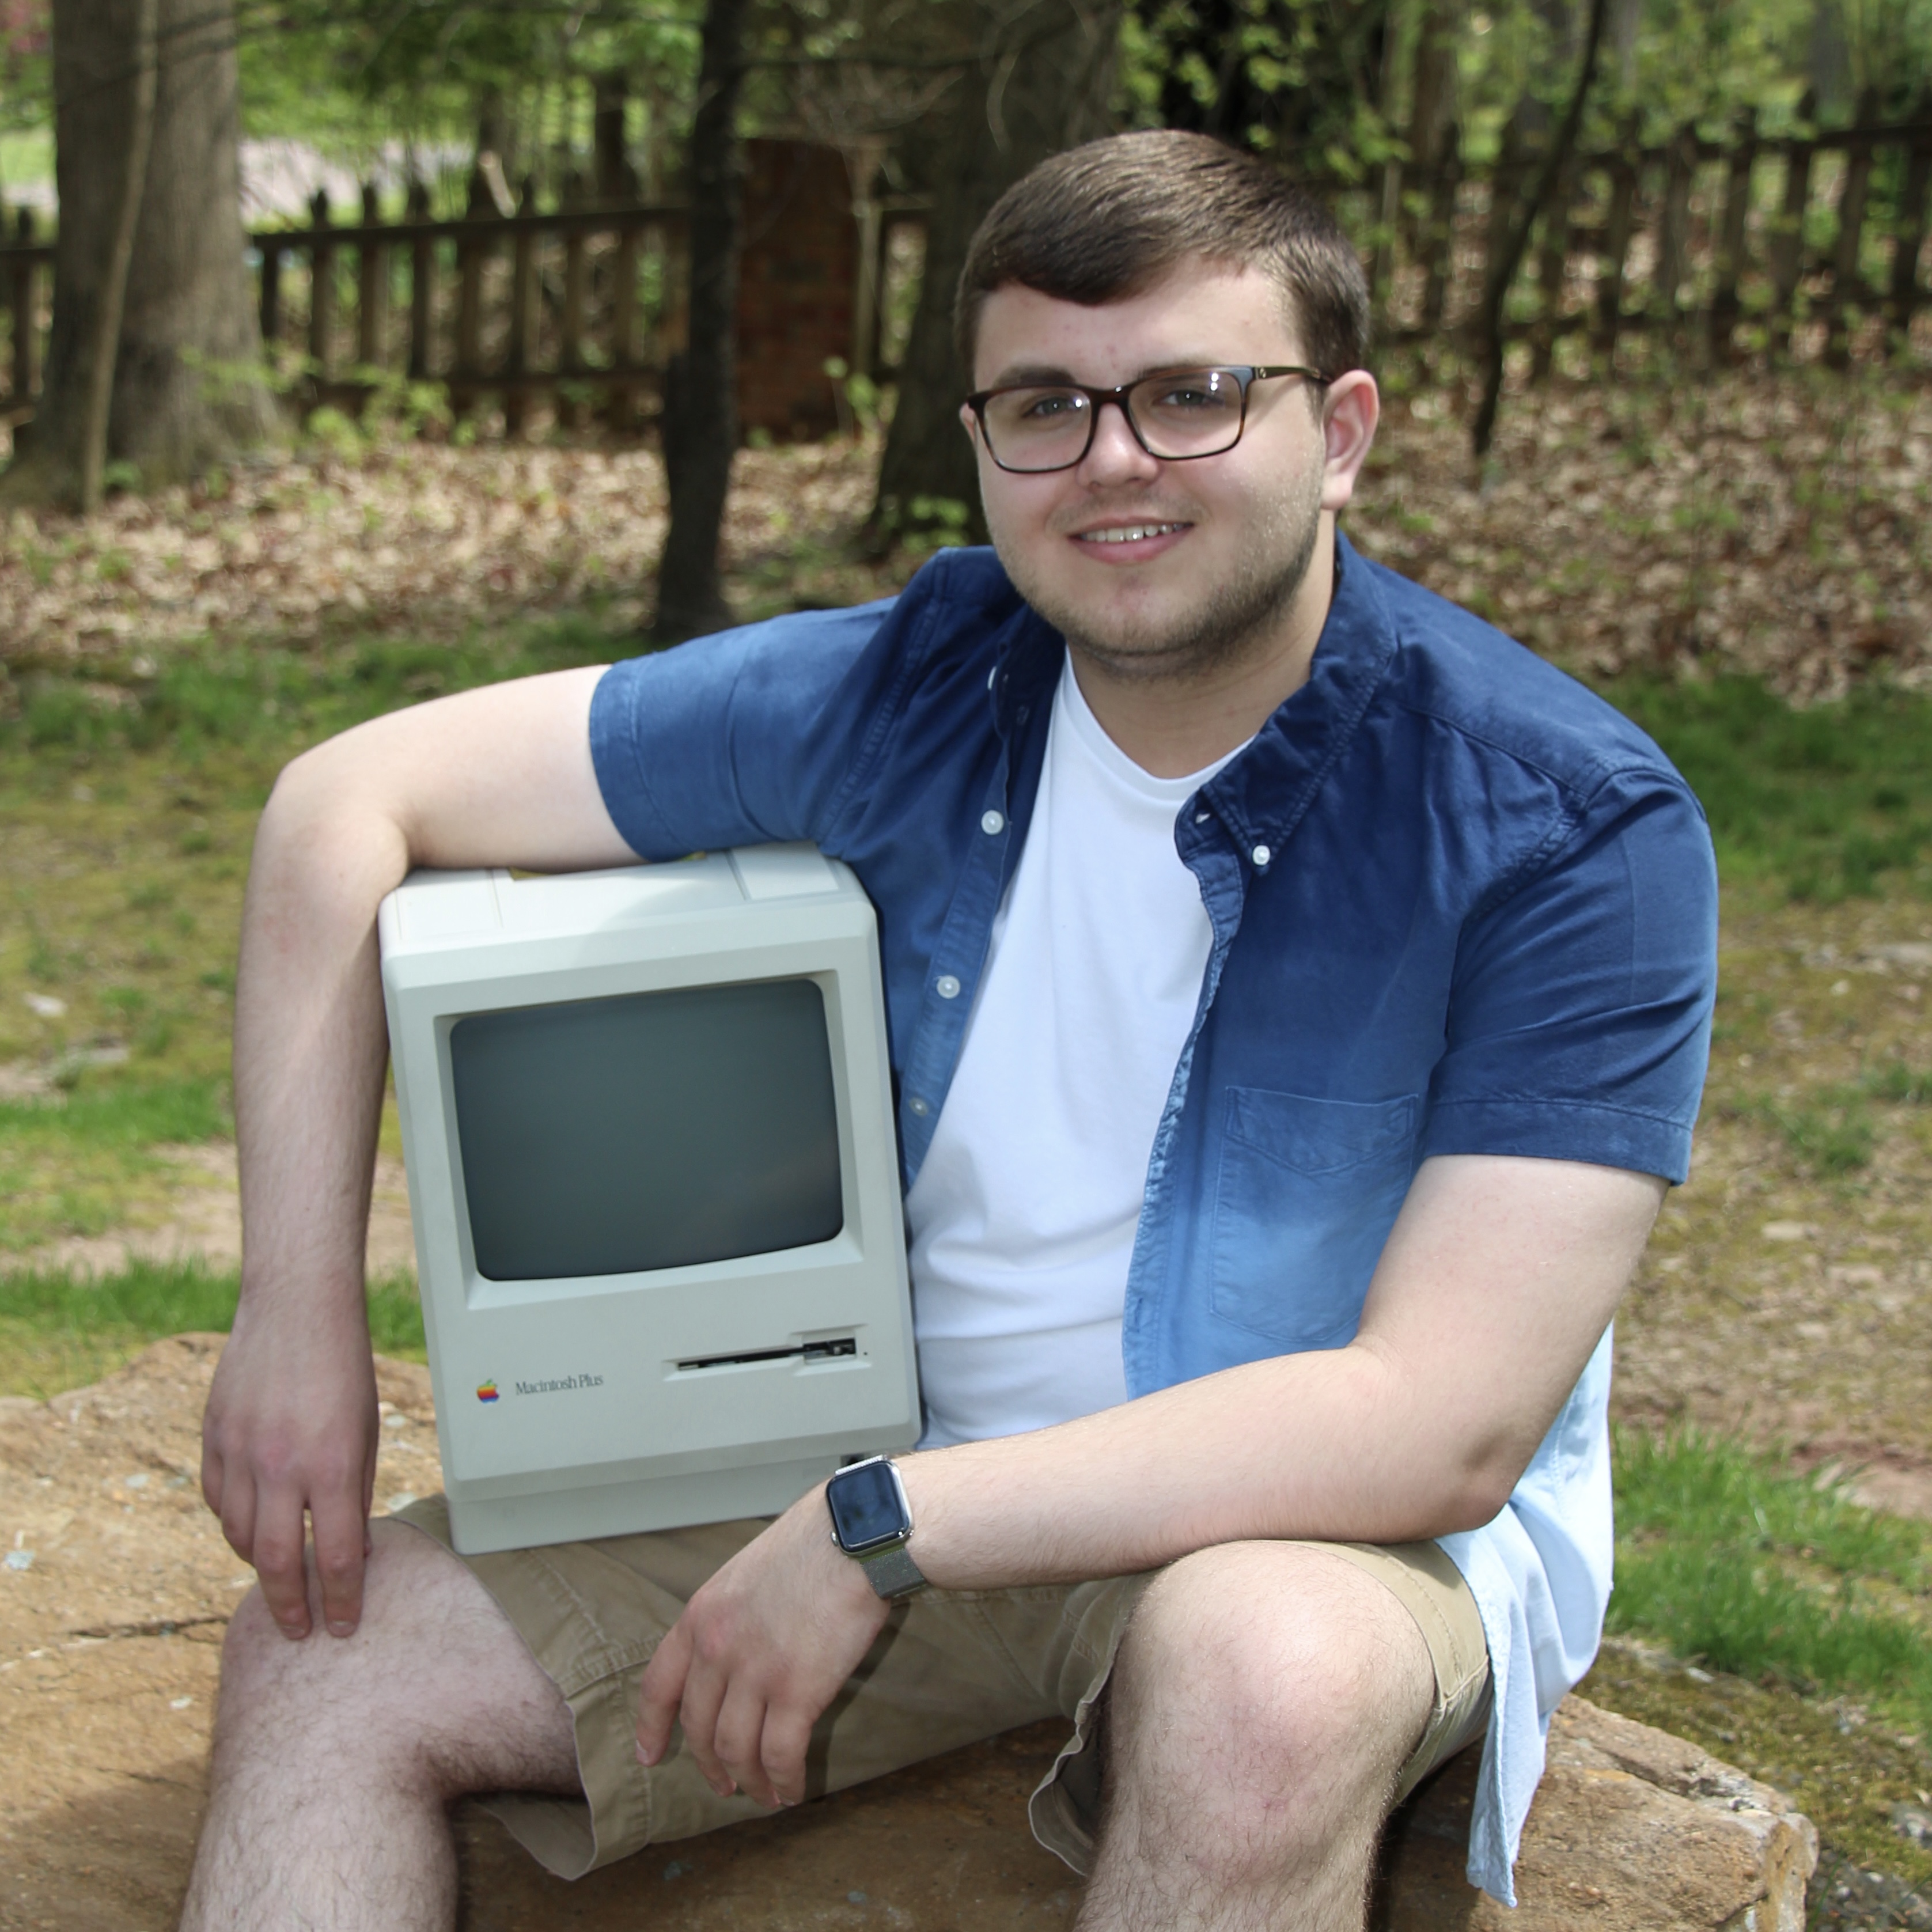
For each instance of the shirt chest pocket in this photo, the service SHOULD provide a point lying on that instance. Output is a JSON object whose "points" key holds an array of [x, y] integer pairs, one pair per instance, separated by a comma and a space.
{"points": [[1307, 1192]]}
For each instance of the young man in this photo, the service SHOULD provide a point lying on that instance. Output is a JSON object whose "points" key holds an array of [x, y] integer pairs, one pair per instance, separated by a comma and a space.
{"points": [[1298, 997]]}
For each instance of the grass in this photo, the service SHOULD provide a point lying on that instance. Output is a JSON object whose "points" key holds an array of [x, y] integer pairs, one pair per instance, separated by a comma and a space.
{"points": [[59, 1329], [127, 804], [83, 1160], [1817, 806], [1732, 1561], [1782, 1628], [1833, 1130]]}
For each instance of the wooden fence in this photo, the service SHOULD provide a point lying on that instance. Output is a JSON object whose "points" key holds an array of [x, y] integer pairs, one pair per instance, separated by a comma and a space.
{"points": [[1798, 245], [581, 307], [1804, 245]]}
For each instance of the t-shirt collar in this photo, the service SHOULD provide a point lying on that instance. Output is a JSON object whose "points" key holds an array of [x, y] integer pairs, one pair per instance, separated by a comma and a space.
{"points": [[1262, 791]]}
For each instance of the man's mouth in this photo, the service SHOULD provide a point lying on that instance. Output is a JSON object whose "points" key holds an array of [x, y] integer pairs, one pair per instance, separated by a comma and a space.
{"points": [[1129, 533]]}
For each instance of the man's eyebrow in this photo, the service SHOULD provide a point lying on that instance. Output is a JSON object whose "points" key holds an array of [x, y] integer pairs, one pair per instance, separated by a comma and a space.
{"points": [[1021, 373]]}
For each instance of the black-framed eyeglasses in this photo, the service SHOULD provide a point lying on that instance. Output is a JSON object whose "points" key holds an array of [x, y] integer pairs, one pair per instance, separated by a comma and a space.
{"points": [[1030, 428]]}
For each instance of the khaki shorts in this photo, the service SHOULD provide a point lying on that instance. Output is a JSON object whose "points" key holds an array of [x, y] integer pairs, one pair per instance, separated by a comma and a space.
{"points": [[951, 1667]]}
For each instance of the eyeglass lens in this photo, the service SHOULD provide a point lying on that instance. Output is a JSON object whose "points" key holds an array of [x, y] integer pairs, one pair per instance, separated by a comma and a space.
{"points": [[1195, 412]]}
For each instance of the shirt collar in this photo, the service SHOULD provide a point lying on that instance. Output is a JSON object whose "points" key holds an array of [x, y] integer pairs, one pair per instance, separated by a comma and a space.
{"points": [[1262, 791]]}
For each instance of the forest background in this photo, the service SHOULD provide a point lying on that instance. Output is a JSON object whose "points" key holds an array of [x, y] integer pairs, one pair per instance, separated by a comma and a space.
{"points": [[1732, 547]]}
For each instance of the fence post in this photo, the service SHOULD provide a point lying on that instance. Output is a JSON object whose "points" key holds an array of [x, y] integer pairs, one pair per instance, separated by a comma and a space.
{"points": [[21, 297], [1851, 231], [271, 294], [1673, 225], [1724, 304], [1552, 261], [1909, 236], [422, 285], [1506, 180], [1787, 239], [372, 289], [623, 408], [523, 312], [576, 290], [1624, 166], [322, 287], [470, 257], [1439, 239], [864, 160]]}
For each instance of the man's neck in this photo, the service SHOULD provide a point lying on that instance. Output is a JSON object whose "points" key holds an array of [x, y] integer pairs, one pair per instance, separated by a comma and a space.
{"points": [[1172, 726]]}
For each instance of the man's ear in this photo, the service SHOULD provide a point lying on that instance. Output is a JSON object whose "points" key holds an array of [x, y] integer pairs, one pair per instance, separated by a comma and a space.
{"points": [[1351, 410], [971, 424]]}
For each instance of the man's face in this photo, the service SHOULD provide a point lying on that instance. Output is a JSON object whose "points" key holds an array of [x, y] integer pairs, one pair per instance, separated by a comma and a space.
{"points": [[1160, 569]]}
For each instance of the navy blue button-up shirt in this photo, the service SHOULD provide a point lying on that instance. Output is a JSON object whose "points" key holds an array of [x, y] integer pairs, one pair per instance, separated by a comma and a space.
{"points": [[1459, 905]]}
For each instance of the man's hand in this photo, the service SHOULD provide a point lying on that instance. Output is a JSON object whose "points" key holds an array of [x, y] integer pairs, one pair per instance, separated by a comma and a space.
{"points": [[290, 1428], [760, 1652], [501, 776]]}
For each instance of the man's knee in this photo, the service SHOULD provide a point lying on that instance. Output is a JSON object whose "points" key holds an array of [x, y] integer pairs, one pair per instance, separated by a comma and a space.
{"points": [[355, 1678], [1275, 1667], [434, 1687]]}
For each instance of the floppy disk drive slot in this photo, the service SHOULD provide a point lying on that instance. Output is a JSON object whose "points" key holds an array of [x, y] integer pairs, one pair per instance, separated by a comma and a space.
{"points": [[826, 1349]]}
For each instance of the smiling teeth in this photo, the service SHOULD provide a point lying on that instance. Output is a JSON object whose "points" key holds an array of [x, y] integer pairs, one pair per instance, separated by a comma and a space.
{"points": [[1132, 535]]}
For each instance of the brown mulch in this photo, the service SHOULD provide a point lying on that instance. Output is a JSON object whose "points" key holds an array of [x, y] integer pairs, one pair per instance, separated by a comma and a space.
{"points": [[1771, 525]]}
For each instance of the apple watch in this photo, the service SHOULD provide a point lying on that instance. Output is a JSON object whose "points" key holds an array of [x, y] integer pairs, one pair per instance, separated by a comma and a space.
{"points": [[871, 1522]]}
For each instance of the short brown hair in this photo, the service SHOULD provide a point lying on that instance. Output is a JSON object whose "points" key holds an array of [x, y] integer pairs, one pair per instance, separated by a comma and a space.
{"points": [[1109, 220]]}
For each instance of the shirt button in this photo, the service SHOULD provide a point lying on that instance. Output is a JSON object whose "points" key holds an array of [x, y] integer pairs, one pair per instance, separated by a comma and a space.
{"points": [[1262, 855], [919, 1105], [946, 987], [992, 823]]}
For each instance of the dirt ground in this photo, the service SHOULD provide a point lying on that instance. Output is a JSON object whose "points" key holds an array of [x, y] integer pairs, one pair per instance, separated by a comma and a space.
{"points": [[1790, 1307], [113, 1599]]}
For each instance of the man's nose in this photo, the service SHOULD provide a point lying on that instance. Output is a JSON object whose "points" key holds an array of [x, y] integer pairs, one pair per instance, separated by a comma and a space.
{"points": [[1115, 454]]}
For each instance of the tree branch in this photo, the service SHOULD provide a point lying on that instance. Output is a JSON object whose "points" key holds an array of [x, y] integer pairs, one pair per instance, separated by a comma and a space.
{"points": [[1503, 271]]}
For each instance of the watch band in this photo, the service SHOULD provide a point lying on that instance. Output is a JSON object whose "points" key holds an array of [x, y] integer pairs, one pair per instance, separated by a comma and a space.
{"points": [[892, 1572]]}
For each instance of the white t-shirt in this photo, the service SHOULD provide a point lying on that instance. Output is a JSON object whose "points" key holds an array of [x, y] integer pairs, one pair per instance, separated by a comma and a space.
{"points": [[1023, 1216]]}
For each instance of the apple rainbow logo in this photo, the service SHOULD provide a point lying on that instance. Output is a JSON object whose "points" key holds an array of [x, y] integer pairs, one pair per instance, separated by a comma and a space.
{"points": [[486, 1391]]}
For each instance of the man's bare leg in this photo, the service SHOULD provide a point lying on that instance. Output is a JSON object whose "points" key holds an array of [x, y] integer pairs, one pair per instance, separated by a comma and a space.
{"points": [[335, 1758], [1264, 1703]]}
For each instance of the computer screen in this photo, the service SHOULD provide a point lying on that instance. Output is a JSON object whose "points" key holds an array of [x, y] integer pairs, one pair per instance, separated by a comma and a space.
{"points": [[652, 1130]]}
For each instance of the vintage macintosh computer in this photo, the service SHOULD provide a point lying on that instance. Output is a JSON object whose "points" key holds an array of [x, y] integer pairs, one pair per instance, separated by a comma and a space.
{"points": [[647, 1122]]}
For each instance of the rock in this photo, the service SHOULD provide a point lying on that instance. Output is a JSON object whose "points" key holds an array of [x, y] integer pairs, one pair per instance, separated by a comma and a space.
{"points": [[1912, 1821], [109, 1645], [1633, 1831]]}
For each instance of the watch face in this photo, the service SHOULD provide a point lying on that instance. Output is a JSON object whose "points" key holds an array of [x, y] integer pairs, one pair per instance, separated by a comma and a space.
{"points": [[866, 1506]]}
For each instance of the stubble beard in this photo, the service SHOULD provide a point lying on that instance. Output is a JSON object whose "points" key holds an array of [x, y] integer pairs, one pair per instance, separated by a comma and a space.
{"points": [[1234, 621]]}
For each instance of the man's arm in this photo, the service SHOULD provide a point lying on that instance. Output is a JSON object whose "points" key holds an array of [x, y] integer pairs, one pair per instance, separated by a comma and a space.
{"points": [[500, 777], [1496, 1283]]}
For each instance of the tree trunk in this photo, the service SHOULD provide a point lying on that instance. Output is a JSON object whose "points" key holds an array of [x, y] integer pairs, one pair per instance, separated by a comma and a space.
{"points": [[1502, 270], [1041, 85], [700, 414], [188, 388], [103, 346]]}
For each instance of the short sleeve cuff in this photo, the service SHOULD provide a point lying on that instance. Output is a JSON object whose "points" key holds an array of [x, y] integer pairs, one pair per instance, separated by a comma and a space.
{"points": [[613, 757], [1544, 1130]]}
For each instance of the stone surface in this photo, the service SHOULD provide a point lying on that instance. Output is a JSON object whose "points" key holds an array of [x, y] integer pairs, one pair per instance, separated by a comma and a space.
{"points": [[109, 1643], [1633, 1831]]}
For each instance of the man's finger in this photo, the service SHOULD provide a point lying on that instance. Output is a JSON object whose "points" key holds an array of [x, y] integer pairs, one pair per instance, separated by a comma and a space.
{"points": [[737, 1736], [788, 1737], [212, 1471], [703, 1693], [276, 1551], [340, 1538], [236, 1510], [662, 1691]]}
